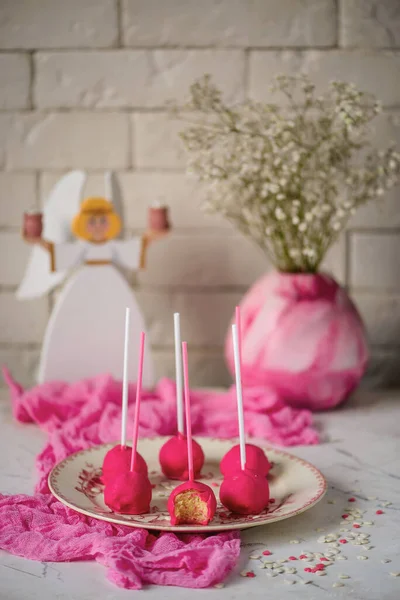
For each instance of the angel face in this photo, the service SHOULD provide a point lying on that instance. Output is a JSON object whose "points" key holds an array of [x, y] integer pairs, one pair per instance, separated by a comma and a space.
{"points": [[97, 222]]}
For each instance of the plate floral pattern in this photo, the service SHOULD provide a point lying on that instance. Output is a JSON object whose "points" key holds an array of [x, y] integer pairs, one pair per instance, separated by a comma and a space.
{"points": [[295, 486]]}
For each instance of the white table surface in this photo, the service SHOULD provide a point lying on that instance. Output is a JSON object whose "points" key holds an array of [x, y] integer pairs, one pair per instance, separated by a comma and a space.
{"points": [[360, 457]]}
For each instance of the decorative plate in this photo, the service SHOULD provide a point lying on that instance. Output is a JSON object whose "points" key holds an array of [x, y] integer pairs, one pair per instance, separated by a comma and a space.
{"points": [[295, 486]]}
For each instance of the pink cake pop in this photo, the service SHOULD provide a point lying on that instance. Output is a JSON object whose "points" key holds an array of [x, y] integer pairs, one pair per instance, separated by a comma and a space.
{"points": [[255, 457], [118, 459], [255, 460], [130, 491], [243, 491], [191, 502], [173, 455]]}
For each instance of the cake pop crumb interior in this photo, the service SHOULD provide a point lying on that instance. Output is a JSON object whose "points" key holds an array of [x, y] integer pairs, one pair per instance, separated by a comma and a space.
{"points": [[189, 508]]}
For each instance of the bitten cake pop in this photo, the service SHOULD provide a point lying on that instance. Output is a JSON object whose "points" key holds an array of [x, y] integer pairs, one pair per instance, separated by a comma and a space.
{"points": [[130, 491], [191, 502], [173, 455], [243, 491], [118, 459]]}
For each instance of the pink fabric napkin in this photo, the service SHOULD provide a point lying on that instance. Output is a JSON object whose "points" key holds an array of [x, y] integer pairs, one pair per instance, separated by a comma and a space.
{"points": [[87, 413]]}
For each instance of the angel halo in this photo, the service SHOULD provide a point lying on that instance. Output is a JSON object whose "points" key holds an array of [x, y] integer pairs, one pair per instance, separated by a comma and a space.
{"points": [[83, 336]]}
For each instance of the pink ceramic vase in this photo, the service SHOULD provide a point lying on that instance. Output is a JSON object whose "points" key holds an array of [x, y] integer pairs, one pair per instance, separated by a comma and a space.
{"points": [[303, 337]]}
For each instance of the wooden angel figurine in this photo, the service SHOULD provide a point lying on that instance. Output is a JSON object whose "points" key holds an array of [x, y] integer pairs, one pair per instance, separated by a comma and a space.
{"points": [[85, 332]]}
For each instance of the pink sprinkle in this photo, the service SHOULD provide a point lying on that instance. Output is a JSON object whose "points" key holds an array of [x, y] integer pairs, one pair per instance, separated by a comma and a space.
{"points": [[307, 570], [153, 485], [324, 558], [314, 570], [320, 567], [267, 553], [250, 574], [356, 526], [302, 556], [271, 500], [352, 499], [345, 516], [343, 541], [215, 484], [379, 512], [292, 558]]}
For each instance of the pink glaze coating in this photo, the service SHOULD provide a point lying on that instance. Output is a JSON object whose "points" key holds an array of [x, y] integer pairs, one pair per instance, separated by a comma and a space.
{"points": [[128, 493], [173, 458], [245, 492], [255, 460], [301, 337], [118, 460], [204, 493]]}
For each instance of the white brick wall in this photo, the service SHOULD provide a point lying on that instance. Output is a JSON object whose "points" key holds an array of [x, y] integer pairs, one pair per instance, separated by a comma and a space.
{"points": [[84, 84]]}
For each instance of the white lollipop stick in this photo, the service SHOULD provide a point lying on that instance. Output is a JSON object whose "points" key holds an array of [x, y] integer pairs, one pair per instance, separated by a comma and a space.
{"points": [[239, 396], [125, 381], [179, 376]]}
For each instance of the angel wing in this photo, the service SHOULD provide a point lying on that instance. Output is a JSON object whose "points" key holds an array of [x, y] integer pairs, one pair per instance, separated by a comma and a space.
{"points": [[61, 206]]}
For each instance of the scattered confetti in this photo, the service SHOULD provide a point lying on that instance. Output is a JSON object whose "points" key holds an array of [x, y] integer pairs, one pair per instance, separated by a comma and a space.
{"points": [[386, 503], [219, 585], [357, 526], [386, 560], [361, 557], [352, 499], [371, 497], [294, 542], [247, 573], [303, 557], [291, 571], [307, 570], [337, 584], [321, 573], [395, 574], [324, 559], [341, 557], [282, 560], [345, 516], [289, 581], [343, 576], [267, 553], [292, 558], [379, 512], [342, 541]]}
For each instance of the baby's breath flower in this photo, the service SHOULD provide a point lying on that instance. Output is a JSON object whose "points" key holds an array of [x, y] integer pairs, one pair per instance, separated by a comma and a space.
{"points": [[287, 177]]}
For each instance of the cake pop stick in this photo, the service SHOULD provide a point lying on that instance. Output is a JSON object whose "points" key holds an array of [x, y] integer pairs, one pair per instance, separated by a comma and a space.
{"points": [[187, 410], [125, 381], [178, 371], [239, 330], [239, 395], [137, 405]]}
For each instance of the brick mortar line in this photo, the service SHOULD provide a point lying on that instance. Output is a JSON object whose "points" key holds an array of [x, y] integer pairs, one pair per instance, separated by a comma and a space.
{"points": [[120, 28], [207, 47], [387, 110]]}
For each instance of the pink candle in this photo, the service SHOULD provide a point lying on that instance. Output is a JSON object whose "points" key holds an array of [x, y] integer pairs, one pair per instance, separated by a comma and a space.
{"points": [[33, 223], [158, 218]]}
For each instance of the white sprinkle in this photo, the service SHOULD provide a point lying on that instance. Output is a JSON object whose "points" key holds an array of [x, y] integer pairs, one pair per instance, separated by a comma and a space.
{"points": [[343, 576], [269, 562], [219, 585], [395, 574], [371, 497], [357, 543], [368, 547], [341, 557], [280, 571], [306, 581], [318, 554], [386, 503], [386, 560], [320, 529], [272, 574], [262, 566], [243, 573], [322, 540], [255, 556], [368, 523], [333, 551], [291, 571], [343, 529], [294, 542], [331, 501], [320, 573], [289, 581], [282, 560], [334, 545], [361, 557], [338, 584]]}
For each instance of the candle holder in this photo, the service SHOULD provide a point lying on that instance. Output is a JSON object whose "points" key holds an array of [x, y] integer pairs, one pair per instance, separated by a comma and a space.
{"points": [[33, 224], [159, 218]]}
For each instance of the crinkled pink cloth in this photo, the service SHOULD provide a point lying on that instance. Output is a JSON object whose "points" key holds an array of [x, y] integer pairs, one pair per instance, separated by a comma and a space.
{"points": [[87, 413]]}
